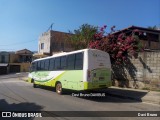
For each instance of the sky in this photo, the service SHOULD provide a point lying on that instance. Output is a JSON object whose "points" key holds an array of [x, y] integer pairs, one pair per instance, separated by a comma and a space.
{"points": [[23, 21]]}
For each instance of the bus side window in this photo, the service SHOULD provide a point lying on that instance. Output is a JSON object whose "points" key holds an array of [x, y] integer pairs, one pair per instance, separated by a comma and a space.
{"points": [[79, 61], [34, 66], [70, 61], [39, 65], [57, 63], [51, 64], [35, 69], [42, 65], [46, 64], [63, 63]]}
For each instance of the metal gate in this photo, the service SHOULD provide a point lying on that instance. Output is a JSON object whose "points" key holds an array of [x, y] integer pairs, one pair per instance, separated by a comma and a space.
{"points": [[14, 68], [3, 70]]}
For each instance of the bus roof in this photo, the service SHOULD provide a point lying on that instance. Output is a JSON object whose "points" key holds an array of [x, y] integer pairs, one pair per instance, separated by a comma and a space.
{"points": [[64, 53]]}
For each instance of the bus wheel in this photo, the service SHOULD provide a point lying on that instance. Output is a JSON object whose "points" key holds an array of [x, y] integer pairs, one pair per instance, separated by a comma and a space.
{"points": [[34, 85], [32, 80], [59, 88]]}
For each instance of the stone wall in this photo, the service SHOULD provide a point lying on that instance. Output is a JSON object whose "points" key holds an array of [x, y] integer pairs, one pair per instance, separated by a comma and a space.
{"points": [[142, 72]]}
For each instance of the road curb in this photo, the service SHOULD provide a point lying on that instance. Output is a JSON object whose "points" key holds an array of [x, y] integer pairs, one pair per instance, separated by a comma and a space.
{"points": [[135, 94], [123, 97]]}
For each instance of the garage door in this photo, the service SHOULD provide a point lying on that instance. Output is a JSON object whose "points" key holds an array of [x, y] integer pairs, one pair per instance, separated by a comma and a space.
{"points": [[14, 68], [3, 70]]}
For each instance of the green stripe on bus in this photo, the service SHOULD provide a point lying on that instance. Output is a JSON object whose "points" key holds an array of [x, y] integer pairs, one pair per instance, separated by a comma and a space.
{"points": [[50, 82]]}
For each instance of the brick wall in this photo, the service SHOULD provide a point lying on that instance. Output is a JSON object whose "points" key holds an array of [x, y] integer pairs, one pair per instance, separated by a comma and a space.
{"points": [[142, 72]]}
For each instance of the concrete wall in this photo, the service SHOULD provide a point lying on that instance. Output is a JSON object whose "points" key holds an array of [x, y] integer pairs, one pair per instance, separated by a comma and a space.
{"points": [[142, 72], [25, 67], [44, 38], [13, 58], [54, 41]]}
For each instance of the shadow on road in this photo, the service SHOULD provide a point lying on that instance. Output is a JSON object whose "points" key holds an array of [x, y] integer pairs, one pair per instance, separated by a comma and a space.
{"points": [[111, 95], [19, 107]]}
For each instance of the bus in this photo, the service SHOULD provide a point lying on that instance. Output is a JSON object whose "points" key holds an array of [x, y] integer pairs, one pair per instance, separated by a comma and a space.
{"points": [[85, 69]]}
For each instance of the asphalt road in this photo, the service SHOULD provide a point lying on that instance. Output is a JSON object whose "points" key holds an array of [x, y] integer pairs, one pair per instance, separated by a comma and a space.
{"points": [[18, 95]]}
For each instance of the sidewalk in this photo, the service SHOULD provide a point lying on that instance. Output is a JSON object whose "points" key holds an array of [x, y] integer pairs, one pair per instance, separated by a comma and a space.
{"points": [[135, 94], [14, 75]]}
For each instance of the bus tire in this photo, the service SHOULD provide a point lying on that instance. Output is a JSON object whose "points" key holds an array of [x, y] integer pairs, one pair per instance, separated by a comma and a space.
{"points": [[32, 80], [59, 88], [34, 85]]}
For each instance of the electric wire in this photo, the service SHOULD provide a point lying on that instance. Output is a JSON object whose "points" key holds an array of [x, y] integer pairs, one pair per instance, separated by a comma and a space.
{"points": [[18, 43]]}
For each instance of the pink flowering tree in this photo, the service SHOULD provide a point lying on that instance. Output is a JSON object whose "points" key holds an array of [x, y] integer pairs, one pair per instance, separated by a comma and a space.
{"points": [[119, 46]]}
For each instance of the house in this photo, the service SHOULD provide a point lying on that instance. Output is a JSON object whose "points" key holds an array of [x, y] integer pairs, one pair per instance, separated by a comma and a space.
{"points": [[12, 62], [4, 60], [52, 42], [20, 61], [149, 38]]}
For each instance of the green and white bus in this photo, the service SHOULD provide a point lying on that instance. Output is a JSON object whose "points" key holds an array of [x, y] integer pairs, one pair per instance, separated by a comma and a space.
{"points": [[85, 69]]}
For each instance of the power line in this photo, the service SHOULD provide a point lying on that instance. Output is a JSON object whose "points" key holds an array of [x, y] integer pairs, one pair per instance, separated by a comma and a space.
{"points": [[50, 28], [18, 43], [7, 49]]}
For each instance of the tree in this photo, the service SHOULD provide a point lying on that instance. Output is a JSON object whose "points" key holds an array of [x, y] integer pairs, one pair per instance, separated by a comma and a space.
{"points": [[118, 46], [82, 36]]}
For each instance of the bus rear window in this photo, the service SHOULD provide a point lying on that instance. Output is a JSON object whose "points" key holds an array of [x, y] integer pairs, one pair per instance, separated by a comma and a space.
{"points": [[79, 61]]}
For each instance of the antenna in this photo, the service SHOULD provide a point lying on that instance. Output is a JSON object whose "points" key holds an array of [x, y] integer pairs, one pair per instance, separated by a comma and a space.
{"points": [[50, 27]]}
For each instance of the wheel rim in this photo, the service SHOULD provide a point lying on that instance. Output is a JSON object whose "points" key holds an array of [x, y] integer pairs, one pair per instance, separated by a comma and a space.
{"points": [[59, 88]]}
